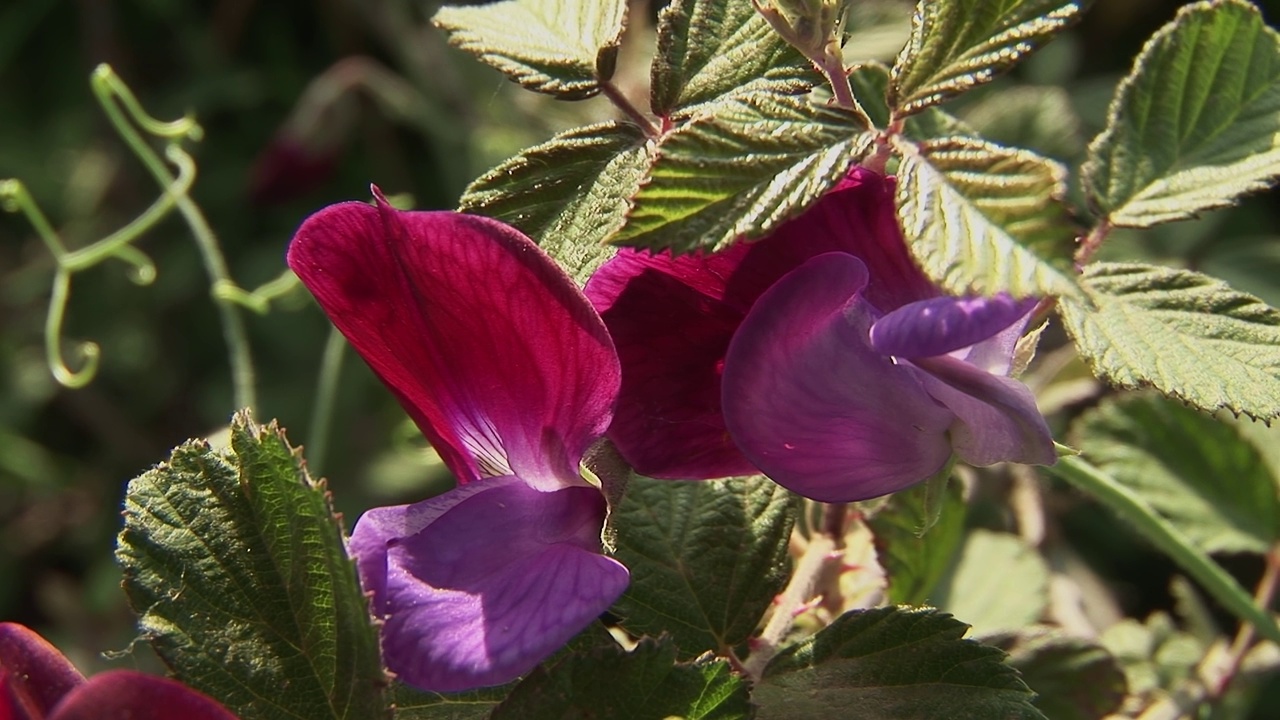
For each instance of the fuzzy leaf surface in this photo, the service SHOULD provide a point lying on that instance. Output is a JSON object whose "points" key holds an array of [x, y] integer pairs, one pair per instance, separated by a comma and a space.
{"points": [[986, 218], [561, 47], [706, 558], [1188, 335], [958, 44], [1192, 469], [569, 194], [1196, 123], [1073, 678], [893, 664], [235, 562], [711, 48], [915, 562], [749, 163], [870, 81], [645, 683]]}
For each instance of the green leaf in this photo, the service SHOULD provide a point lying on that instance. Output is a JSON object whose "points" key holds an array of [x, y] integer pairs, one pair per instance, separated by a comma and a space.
{"points": [[1185, 334], [914, 562], [561, 47], [1073, 678], [411, 704], [1037, 117], [1155, 656], [706, 558], [751, 162], [1014, 597], [711, 48], [569, 194], [870, 82], [986, 218], [644, 683], [957, 44], [1196, 123], [1197, 472], [893, 664], [236, 564]]}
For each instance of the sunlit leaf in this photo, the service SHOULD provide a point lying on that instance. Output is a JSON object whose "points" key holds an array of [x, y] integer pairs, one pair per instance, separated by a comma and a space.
{"points": [[236, 564], [957, 44], [1014, 597], [870, 82], [1196, 124], [562, 47], [1186, 334], [982, 217], [893, 664]]}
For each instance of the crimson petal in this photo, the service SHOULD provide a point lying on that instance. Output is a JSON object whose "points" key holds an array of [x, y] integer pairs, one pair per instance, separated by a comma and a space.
{"points": [[479, 585], [131, 695], [490, 347], [814, 406], [34, 676]]}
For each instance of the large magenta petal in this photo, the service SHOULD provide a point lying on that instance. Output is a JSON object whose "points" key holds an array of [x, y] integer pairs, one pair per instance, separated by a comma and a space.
{"points": [[131, 695], [479, 585], [34, 676], [941, 325], [488, 344], [813, 406], [996, 417]]}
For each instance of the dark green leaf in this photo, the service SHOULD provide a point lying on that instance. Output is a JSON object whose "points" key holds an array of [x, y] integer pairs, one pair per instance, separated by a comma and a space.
{"points": [[870, 82], [642, 684], [1186, 334], [914, 562], [957, 44], [235, 561], [562, 47], [982, 217], [893, 664], [706, 558], [751, 162], [569, 194], [1073, 678], [1197, 472], [413, 704], [1196, 123], [711, 48]]}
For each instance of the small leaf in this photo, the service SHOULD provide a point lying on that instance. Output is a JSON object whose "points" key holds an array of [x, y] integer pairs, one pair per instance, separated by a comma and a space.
{"points": [[1016, 596], [915, 562], [706, 558], [1197, 472], [1196, 124], [561, 47], [1073, 678], [568, 194], [1155, 656], [870, 82], [957, 44], [711, 48], [411, 704], [986, 218], [893, 664], [1185, 334], [751, 162], [644, 683], [236, 563]]}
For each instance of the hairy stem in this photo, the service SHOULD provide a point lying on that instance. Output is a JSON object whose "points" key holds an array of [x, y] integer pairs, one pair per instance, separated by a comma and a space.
{"points": [[620, 101]]}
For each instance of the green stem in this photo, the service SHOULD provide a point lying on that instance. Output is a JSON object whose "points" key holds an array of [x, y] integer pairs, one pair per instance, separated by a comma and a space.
{"points": [[326, 392], [1169, 540], [90, 353], [259, 301]]}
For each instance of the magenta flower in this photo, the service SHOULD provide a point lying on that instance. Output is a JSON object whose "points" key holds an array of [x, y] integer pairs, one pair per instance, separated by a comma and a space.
{"points": [[38, 683], [511, 375], [820, 355]]}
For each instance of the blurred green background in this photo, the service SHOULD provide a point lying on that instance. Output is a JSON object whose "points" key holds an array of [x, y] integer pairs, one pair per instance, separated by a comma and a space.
{"points": [[388, 103]]}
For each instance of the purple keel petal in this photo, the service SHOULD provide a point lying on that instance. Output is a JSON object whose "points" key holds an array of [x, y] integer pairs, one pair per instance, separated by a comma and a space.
{"points": [[131, 695], [34, 676], [941, 325], [813, 406], [996, 417], [481, 584], [486, 342]]}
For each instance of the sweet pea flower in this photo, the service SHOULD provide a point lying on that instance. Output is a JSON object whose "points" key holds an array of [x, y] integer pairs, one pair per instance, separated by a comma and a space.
{"points": [[38, 683], [820, 355], [510, 373]]}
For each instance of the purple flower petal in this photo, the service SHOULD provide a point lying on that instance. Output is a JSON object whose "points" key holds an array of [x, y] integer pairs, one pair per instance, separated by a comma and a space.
{"points": [[996, 417], [131, 695], [479, 585], [34, 676], [486, 342], [942, 325], [814, 406]]}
